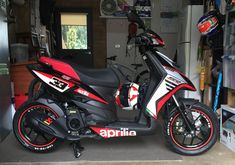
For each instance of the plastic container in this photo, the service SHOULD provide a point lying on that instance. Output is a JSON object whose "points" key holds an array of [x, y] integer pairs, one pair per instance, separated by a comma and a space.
{"points": [[19, 52], [229, 71]]}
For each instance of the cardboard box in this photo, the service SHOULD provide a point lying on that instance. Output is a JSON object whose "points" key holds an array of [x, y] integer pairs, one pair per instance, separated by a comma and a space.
{"points": [[231, 98], [227, 127]]}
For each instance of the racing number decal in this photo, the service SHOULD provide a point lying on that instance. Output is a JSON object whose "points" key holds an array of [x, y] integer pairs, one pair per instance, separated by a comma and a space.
{"points": [[54, 82], [58, 84]]}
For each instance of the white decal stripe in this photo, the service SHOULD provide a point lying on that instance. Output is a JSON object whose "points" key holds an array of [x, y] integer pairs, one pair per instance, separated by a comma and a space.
{"points": [[160, 92], [170, 85], [174, 75], [169, 89], [48, 80], [171, 82]]}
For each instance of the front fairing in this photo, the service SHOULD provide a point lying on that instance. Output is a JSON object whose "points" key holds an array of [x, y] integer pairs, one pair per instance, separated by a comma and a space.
{"points": [[171, 68], [171, 81]]}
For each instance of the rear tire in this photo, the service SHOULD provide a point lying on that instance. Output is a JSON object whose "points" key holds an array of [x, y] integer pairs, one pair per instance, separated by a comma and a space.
{"points": [[29, 137], [206, 131]]}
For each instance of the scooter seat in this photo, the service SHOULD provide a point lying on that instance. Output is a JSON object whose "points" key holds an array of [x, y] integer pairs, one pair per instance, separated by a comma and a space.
{"points": [[99, 77]]}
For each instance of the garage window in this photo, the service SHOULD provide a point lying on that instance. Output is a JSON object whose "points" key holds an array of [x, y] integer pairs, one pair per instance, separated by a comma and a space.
{"points": [[74, 31]]}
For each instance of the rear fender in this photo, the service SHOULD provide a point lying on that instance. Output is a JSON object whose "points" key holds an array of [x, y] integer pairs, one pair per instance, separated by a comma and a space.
{"points": [[52, 104]]}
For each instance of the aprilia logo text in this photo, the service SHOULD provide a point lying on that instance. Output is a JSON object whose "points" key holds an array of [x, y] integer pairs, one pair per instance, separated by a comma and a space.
{"points": [[108, 133], [83, 92]]}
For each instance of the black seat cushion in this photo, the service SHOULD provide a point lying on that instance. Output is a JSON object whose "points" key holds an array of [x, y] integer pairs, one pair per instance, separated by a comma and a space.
{"points": [[100, 77]]}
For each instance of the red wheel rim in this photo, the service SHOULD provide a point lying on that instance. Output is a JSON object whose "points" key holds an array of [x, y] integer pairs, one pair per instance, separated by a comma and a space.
{"points": [[195, 147], [22, 133]]}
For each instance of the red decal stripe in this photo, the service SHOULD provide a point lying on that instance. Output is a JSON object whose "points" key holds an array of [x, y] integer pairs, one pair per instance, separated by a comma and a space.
{"points": [[195, 148], [118, 101], [90, 95], [97, 130], [51, 76], [26, 140], [168, 96], [133, 97], [44, 74], [117, 98], [110, 133], [176, 71], [60, 67]]}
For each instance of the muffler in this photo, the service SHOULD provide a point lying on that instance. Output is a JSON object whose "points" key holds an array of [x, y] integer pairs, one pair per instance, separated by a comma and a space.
{"points": [[51, 126]]}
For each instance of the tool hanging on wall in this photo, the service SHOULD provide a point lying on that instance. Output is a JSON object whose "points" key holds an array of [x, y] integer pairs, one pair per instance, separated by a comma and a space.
{"points": [[202, 82], [218, 87], [200, 51], [132, 31]]}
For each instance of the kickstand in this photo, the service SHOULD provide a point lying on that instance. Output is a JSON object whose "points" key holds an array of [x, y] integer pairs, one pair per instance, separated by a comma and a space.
{"points": [[77, 148]]}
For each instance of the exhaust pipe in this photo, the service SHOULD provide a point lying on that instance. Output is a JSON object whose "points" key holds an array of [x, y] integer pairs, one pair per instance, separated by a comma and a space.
{"points": [[54, 127]]}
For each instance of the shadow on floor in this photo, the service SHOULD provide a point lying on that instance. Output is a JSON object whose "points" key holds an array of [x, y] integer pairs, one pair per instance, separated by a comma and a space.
{"points": [[148, 148]]}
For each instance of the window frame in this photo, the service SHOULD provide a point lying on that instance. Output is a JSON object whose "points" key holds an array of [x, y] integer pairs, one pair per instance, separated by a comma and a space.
{"points": [[58, 30], [86, 30]]}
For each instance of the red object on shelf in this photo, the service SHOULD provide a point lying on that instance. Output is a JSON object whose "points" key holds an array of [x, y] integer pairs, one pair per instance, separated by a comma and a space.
{"points": [[19, 100]]}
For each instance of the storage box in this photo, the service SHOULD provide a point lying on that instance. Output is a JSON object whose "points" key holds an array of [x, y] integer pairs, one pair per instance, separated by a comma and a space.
{"points": [[19, 52], [231, 98], [228, 71], [227, 127]]}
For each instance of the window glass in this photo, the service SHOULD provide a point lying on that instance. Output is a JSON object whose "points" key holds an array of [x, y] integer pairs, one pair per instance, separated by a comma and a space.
{"points": [[74, 30]]}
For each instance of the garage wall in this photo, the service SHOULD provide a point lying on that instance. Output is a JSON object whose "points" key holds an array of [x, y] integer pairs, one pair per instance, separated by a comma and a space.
{"points": [[21, 24], [99, 28], [117, 32], [169, 38]]}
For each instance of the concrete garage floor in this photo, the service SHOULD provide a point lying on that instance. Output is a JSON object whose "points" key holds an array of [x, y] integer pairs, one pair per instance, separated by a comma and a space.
{"points": [[219, 155], [148, 148], [114, 154]]}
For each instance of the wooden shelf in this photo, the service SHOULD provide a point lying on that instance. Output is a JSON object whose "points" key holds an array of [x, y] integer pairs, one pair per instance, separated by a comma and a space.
{"points": [[21, 77], [23, 63], [118, 17]]}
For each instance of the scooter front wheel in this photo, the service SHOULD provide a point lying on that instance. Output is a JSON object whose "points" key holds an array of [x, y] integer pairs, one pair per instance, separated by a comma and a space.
{"points": [[195, 142]]}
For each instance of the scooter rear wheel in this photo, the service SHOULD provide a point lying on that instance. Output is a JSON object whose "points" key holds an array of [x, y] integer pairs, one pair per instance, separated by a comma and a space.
{"points": [[198, 141], [27, 135]]}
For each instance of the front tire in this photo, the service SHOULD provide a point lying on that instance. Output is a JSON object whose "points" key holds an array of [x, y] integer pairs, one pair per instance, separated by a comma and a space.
{"points": [[187, 143], [29, 137]]}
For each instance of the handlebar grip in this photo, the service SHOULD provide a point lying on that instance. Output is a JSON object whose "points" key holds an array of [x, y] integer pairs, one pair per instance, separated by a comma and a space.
{"points": [[138, 40]]}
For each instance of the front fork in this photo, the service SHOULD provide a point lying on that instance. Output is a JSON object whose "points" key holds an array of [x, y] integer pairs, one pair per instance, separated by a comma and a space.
{"points": [[186, 116]]}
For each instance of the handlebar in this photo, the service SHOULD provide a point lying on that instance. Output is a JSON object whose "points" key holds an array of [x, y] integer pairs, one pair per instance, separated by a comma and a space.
{"points": [[142, 40], [112, 58]]}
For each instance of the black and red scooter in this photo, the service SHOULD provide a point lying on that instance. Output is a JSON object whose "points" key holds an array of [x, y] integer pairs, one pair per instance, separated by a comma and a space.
{"points": [[75, 103]]}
